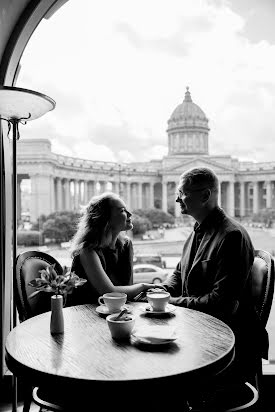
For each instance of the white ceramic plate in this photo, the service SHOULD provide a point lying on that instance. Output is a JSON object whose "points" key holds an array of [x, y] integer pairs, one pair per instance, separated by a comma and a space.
{"points": [[154, 335], [152, 342], [148, 310], [103, 310]]}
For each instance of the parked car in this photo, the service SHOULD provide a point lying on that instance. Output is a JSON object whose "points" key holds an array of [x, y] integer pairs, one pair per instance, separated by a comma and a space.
{"points": [[150, 259], [149, 273]]}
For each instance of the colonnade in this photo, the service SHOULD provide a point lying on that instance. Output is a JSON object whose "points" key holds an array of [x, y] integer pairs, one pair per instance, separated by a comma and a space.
{"points": [[237, 198], [49, 194], [70, 194]]}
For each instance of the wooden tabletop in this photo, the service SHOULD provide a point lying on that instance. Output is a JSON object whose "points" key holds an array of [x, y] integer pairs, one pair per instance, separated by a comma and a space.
{"points": [[87, 353]]}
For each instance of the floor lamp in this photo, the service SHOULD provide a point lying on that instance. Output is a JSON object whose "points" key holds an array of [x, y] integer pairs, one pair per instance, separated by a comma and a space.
{"points": [[19, 105]]}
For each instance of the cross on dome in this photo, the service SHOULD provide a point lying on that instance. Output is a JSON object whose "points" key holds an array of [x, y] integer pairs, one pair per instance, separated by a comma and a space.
{"points": [[187, 95]]}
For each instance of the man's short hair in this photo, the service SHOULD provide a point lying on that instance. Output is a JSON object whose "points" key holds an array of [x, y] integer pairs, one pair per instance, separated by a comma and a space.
{"points": [[200, 177]]}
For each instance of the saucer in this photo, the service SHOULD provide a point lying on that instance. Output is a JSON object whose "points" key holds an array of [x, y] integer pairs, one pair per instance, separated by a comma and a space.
{"points": [[103, 310], [147, 309]]}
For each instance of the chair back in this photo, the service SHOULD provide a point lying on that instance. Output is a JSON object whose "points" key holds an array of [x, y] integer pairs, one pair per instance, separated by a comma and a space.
{"points": [[28, 265], [262, 279]]}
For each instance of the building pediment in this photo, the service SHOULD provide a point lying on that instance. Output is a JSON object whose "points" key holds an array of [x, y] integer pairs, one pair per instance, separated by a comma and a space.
{"points": [[185, 164]]}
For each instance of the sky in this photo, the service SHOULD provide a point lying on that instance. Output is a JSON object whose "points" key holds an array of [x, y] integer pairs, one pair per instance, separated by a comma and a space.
{"points": [[118, 69]]}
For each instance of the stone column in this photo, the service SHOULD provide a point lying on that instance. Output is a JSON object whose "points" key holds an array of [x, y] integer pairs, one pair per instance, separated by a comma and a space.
{"points": [[272, 195], [52, 194], [64, 194], [122, 190], [128, 195], [115, 188], [268, 194], [231, 199], [59, 194], [41, 196], [85, 193], [151, 195], [139, 195], [76, 195], [147, 195], [97, 187], [104, 186], [242, 199], [255, 197], [164, 196], [67, 194], [80, 192]]}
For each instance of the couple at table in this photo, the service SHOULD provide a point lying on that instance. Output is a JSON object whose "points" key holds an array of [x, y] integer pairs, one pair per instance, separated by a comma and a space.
{"points": [[212, 275]]}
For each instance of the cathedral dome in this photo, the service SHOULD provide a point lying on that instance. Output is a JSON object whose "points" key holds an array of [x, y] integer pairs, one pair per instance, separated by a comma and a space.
{"points": [[188, 128], [187, 109]]}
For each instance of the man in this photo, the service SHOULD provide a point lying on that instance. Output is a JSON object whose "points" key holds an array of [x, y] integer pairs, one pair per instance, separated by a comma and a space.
{"points": [[213, 273]]}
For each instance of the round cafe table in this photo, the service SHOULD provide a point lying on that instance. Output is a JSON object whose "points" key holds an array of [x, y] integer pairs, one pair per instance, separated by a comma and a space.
{"points": [[87, 361]]}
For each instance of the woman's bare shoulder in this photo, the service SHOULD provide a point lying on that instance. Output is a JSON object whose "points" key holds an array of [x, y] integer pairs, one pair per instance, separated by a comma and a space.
{"points": [[88, 253]]}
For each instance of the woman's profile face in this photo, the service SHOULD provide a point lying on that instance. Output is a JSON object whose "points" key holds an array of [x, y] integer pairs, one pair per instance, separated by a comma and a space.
{"points": [[120, 218]]}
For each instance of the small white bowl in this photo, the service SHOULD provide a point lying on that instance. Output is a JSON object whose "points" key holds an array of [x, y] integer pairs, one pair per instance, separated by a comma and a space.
{"points": [[121, 328]]}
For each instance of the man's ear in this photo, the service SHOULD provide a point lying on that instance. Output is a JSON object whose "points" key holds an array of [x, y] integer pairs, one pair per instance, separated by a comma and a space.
{"points": [[206, 195]]}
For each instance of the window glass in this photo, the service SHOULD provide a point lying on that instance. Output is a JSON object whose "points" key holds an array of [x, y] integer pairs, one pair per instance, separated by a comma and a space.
{"points": [[124, 82]]}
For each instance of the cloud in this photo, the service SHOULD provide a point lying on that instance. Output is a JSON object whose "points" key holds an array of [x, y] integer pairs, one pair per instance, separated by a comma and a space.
{"points": [[174, 44], [259, 18], [117, 77]]}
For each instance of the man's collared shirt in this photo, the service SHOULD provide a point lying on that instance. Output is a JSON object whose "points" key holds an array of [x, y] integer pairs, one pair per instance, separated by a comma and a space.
{"points": [[200, 230]]}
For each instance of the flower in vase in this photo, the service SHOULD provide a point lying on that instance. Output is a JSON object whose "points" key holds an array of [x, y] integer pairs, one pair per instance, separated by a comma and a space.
{"points": [[50, 281]]}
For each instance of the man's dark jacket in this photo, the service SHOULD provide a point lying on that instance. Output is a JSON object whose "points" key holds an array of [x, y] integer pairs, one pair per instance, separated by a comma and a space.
{"points": [[217, 281]]}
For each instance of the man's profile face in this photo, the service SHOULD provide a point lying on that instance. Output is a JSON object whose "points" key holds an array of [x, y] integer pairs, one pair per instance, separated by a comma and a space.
{"points": [[190, 198]]}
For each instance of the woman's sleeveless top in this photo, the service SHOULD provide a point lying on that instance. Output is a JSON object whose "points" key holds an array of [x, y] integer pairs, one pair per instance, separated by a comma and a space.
{"points": [[118, 265]]}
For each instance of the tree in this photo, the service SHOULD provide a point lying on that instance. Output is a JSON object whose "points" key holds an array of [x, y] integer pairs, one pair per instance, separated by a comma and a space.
{"points": [[60, 226], [39, 223], [140, 224], [157, 217]]}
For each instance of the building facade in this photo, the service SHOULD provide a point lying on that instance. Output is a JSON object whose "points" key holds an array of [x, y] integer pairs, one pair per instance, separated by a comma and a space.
{"points": [[66, 183]]}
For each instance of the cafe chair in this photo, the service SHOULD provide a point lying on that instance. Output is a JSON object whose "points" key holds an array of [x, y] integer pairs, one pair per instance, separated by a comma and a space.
{"points": [[262, 288], [262, 285], [28, 265]]}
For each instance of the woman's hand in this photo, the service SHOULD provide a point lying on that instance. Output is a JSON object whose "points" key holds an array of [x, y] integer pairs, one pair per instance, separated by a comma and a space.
{"points": [[147, 287]]}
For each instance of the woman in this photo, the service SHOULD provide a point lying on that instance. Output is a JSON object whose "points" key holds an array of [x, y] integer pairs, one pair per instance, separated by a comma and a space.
{"points": [[101, 254]]}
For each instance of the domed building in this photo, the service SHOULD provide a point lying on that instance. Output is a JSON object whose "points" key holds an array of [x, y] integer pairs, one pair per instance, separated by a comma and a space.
{"points": [[188, 129], [65, 183]]}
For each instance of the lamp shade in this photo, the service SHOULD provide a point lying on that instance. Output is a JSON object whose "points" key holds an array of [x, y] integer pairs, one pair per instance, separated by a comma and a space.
{"points": [[18, 103]]}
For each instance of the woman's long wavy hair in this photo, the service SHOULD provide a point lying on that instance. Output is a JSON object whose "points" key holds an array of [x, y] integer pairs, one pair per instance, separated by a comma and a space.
{"points": [[93, 228]]}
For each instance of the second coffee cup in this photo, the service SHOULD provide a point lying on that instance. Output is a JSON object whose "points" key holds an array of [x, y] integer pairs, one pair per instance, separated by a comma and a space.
{"points": [[158, 300], [113, 300]]}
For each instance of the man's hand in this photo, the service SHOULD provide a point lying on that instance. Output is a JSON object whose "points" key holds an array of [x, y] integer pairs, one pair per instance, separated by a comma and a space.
{"points": [[141, 297]]}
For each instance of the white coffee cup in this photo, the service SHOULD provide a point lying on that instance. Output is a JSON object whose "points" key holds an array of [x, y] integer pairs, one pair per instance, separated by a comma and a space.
{"points": [[158, 300], [113, 300]]}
